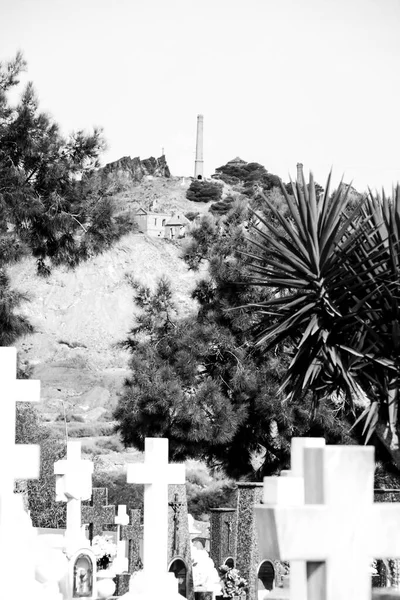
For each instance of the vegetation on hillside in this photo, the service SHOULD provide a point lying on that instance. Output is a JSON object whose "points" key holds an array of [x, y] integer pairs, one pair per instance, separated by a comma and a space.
{"points": [[248, 174], [335, 276], [201, 382], [204, 191]]}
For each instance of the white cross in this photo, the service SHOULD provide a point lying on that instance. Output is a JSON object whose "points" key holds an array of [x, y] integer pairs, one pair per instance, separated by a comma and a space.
{"points": [[155, 473], [288, 489], [120, 562], [20, 461], [341, 531], [73, 484]]}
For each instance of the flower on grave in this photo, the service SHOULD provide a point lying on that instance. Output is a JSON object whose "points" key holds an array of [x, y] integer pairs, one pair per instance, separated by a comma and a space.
{"points": [[104, 550], [232, 583]]}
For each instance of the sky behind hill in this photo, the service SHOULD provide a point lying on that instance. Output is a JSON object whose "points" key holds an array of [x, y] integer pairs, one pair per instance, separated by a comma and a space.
{"points": [[278, 81]]}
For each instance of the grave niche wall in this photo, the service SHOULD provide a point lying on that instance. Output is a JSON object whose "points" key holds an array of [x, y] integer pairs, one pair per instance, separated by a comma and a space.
{"points": [[178, 532], [223, 527], [248, 557]]}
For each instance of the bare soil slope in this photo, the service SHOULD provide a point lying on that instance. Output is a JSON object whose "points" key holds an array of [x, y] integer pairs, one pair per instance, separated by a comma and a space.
{"points": [[80, 315]]}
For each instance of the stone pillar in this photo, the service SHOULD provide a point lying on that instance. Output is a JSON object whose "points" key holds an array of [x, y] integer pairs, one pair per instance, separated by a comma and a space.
{"points": [[300, 173], [247, 554], [223, 524], [198, 165], [178, 532]]}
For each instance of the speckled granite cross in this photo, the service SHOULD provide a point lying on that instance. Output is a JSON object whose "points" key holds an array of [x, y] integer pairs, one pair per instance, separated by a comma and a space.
{"points": [[131, 534], [98, 513]]}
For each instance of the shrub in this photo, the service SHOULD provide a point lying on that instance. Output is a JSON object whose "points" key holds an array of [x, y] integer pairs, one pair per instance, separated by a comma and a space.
{"points": [[192, 215], [112, 443], [204, 191], [222, 207]]}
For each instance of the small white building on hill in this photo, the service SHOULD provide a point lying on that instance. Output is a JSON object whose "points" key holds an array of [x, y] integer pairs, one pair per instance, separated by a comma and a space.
{"points": [[161, 225]]}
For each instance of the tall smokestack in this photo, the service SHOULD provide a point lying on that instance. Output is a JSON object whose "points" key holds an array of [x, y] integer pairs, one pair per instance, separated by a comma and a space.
{"points": [[198, 165], [300, 173]]}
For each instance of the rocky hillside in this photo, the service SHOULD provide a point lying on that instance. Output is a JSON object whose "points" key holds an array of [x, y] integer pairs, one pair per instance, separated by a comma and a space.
{"points": [[80, 315]]}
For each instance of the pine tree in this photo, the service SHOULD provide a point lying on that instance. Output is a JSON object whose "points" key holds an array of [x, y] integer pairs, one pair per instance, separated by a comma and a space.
{"points": [[200, 381]]}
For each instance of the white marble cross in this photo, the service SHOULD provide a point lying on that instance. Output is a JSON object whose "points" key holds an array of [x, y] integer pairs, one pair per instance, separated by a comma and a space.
{"points": [[73, 484], [20, 461], [156, 474], [340, 531], [120, 562], [288, 489]]}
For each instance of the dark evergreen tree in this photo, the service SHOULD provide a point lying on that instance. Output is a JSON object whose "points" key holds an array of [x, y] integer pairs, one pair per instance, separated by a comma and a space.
{"points": [[201, 382]]}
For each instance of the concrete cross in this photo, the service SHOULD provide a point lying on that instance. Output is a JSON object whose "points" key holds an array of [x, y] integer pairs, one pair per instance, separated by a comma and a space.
{"points": [[19, 461], [156, 474], [98, 513], [131, 533], [120, 562], [73, 484], [289, 489], [22, 460], [340, 531]]}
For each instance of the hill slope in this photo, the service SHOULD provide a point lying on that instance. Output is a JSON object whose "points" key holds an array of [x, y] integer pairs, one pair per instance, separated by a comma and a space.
{"points": [[80, 315]]}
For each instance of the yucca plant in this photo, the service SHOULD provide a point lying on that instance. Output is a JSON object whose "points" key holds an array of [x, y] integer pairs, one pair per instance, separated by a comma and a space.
{"points": [[374, 264], [336, 278], [311, 308]]}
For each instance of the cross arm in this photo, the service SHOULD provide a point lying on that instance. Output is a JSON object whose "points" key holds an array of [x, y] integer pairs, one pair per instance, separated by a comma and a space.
{"points": [[292, 532], [384, 528], [148, 474]]}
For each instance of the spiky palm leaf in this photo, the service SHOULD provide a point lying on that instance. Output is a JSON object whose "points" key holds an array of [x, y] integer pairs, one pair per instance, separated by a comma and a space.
{"points": [[375, 263], [300, 260]]}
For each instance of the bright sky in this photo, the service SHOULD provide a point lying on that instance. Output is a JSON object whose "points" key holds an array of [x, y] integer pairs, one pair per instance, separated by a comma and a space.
{"points": [[278, 81]]}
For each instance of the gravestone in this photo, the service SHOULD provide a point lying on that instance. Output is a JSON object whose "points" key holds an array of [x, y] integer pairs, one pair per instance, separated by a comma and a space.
{"points": [[131, 534], [19, 461], [223, 527], [120, 562], [73, 484], [341, 531], [179, 538], [156, 474], [98, 513], [248, 555]]}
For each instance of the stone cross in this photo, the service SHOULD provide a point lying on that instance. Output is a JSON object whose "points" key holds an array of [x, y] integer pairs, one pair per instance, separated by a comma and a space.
{"points": [[73, 484], [339, 530], [156, 474], [22, 459], [98, 513], [175, 505], [130, 533], [19, 461]]}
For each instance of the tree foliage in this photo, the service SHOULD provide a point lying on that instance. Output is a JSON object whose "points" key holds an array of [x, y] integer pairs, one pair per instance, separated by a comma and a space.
{"points": [[200, 382], [49, 204], [336, 277], [204, 191]]}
